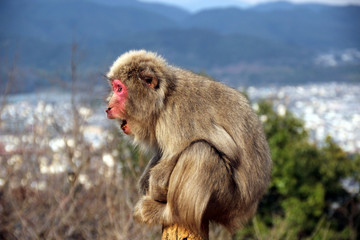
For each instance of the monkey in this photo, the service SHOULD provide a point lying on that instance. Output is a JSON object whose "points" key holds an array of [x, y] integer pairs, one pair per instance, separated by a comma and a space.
{"points": [[211, 158]]}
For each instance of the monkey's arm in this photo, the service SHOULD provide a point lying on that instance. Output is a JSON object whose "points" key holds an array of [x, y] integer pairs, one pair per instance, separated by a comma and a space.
{"points": [[144, 179], [159, 178]]}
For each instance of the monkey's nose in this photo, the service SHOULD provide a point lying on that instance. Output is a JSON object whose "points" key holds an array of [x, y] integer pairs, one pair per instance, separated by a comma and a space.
{"points": [[107, 110]]}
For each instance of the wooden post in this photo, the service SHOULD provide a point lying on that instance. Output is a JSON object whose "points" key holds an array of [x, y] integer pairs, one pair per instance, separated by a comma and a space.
{"points": [[176, 232]]}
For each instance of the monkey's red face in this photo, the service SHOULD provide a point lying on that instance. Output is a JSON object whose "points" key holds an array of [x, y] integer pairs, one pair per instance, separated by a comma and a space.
{"points": [[116, 106]]}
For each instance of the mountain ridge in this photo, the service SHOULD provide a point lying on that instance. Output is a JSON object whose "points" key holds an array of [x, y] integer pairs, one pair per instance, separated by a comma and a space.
{"points": [[282, 35]]}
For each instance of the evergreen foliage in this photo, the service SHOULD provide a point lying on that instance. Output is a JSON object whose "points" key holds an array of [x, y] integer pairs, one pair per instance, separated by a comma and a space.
{"points": [[314, 192]]}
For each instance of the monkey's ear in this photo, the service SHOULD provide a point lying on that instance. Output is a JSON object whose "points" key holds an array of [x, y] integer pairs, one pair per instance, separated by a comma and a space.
{"points": [[148, 76]]}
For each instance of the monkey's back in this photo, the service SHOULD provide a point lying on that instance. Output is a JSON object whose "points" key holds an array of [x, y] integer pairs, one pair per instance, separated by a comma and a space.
{"points": [[206, 102], [223, 117]]}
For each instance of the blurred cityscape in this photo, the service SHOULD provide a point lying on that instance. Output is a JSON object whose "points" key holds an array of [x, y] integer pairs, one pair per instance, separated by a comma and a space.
{"points": [[327, 110], [46, 121], [331, 109]]}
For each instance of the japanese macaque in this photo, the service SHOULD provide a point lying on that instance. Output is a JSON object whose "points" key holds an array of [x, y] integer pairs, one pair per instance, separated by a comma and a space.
{"points": [[212, 160]]}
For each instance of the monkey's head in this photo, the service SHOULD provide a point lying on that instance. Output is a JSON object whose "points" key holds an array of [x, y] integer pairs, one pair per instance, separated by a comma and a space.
{"points": [[139, 81]]}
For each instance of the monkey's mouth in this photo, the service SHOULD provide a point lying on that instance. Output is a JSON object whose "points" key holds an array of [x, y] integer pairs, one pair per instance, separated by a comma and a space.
{"points": [[125, 127], [123, 124]]}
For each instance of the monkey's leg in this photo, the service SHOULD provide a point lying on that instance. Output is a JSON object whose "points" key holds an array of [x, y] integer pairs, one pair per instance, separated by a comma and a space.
{"points": [[191, 186], [200, 188]]}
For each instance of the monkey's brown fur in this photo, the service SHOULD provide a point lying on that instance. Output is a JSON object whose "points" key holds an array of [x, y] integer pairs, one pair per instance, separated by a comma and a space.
{"points": [[212, 161]]}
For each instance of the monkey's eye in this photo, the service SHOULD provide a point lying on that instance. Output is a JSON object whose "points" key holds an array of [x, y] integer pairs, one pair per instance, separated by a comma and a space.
{"points": [[119, 88], [148, 80]]}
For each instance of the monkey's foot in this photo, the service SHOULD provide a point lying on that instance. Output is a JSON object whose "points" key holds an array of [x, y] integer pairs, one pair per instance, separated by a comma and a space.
{"points": [[149, 211]]}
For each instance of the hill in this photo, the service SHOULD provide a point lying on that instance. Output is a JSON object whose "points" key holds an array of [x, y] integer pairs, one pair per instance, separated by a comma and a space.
{"points": [[322, 27], [234, 45]]}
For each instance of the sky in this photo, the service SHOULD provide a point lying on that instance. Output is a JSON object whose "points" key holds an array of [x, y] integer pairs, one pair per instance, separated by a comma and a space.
{"points": [[196, 5]]}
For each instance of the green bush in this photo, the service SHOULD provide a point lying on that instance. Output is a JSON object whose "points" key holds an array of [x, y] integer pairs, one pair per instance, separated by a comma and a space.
{"points": [[307, 198]]}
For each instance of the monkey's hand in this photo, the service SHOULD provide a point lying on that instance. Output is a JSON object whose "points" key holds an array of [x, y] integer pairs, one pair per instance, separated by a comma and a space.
{"points": [[149, 211]]}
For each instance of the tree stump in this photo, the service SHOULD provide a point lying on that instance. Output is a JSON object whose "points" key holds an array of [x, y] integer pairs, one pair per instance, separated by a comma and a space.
{"points": [[176, 232]]}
